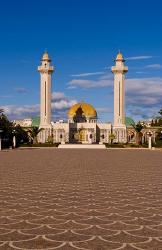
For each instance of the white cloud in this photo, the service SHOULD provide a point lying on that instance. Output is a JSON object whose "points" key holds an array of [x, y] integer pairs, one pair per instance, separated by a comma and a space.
{"points": [[144, 86], [143, 100], [143, 113], [71, 87], [60, 103], [63, 104], [90, 83], [138, 57], [141, 93], [87, 74], [144, 96], [154, 66], [58, 96], [16, 110], [104, 110], [107, 76]]}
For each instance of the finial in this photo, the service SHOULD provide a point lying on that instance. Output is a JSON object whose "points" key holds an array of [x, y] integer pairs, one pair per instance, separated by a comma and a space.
{"points": [[119, 57], [46, 56]]}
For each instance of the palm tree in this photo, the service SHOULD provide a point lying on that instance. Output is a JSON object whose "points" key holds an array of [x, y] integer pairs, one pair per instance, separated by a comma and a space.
{"points": [[138, 128], [111, 137], [33, 133]]}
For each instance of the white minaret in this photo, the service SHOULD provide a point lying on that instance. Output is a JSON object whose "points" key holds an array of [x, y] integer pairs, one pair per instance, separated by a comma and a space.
{"points": [[119, 127], [119, 71], [46, 71]]}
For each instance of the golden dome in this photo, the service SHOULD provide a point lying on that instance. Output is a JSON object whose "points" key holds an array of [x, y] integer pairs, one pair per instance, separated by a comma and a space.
{"points": [[87, 110], [46, 57], [119, 57]]}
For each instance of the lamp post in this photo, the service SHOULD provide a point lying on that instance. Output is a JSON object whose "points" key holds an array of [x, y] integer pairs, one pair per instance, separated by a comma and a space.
{"points": [[14, 138], [0, 139], [150, 141]]}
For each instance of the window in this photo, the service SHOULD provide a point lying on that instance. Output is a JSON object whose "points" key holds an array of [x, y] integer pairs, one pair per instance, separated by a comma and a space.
{"points": [[102, 136]]}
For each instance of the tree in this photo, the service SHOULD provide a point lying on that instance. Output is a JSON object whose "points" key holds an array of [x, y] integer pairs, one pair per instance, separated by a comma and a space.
{"points": [[138, 128], [160, 112], [159, 137], [111, 137], [9, 130], [6, 128], [21, 135], [33, 133]]}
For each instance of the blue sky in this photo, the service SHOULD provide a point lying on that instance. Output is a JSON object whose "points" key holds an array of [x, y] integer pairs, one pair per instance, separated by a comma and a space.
{"points": [[82, 38]]}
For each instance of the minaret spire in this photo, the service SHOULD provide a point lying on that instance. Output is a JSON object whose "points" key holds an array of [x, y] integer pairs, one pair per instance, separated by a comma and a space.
{"points": [[46, 71], [119, 71]]}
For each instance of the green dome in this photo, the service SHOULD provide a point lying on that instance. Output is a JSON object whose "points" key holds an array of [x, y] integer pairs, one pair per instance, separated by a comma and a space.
{"points": [[129, 121], [35, 121]]}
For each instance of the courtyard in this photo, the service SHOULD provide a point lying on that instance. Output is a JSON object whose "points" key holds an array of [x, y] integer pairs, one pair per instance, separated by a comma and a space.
{"points": [[80, 199]]}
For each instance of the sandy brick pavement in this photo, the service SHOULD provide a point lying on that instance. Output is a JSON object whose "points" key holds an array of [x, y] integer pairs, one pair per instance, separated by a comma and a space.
{"points": [[80, 199]]}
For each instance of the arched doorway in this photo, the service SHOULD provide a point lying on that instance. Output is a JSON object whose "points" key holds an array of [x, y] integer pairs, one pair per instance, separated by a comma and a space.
{"points": [[80, 135]]}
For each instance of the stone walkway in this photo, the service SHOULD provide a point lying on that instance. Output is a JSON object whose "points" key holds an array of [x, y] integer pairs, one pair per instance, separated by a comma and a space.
{"points": [[80, 199]]}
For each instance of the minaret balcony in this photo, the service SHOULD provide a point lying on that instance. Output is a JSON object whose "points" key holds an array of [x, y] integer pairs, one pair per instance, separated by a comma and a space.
{"points": [[43, 69], [119, 69]]}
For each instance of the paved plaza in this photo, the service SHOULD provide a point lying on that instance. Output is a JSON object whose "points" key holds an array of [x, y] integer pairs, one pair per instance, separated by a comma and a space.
{"points": [[80, 199]]}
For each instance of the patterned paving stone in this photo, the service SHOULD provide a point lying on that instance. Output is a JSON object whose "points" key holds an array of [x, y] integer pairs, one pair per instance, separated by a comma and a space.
{"points": [[39, 242], [152, 244], [147, 231], [125, 237], [99, 243], [80, 199]]}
